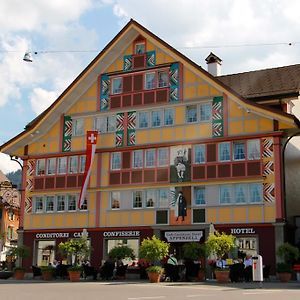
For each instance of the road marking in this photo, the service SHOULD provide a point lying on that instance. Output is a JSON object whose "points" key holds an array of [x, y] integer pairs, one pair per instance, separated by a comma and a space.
{"points": [[154, 297], [261, 292], [200, 295]]}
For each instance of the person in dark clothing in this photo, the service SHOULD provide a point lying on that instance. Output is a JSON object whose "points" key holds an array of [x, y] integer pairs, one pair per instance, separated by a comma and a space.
{"points": [[181, 204]]}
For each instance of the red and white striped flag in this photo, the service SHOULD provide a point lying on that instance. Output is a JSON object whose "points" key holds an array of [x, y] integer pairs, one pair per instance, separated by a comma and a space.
{"points": [[91, 144]]}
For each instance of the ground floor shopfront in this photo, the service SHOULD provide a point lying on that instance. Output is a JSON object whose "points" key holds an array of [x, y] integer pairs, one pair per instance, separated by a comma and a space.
{"points": [[251, 239]]}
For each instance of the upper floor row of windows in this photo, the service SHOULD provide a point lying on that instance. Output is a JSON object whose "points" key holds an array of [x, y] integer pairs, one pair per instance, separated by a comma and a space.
{"points": [[148, 119], [60, 165]]}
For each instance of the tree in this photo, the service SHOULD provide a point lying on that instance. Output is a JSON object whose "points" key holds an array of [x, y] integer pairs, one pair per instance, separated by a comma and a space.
{"points": [[121, 252]]}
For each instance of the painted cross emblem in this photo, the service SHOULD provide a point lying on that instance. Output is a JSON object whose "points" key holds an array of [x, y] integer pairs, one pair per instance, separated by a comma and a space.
{"points": [[92, 137]]}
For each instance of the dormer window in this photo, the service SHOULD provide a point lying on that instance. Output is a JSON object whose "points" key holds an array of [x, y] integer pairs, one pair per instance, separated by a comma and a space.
{"points": [[139, 48]]}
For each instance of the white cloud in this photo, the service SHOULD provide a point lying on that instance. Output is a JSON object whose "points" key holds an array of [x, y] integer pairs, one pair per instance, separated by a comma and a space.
{"points": [[40, 99], [7, 165]]}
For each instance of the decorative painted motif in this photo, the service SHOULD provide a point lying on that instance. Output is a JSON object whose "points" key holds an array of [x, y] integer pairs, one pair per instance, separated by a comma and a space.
{"points": [[120, 129], [29, 184], [127, 63], [177, 202], [104, 92], [268, 168], [180, 163], [174, 82], [269, 192], [268, 147], [131, 125], [67, 134], [217, 117], [151, 59]]}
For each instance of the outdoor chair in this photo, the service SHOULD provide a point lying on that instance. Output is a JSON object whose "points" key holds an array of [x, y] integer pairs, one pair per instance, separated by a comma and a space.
{"points": [[36, 271]]}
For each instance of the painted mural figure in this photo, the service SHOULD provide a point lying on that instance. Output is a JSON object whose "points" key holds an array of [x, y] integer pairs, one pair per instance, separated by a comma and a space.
{"points": [[180, 206], [179, 162]]}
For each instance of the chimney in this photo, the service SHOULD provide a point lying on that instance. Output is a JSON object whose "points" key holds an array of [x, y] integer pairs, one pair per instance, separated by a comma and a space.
{"points": [[213, 64]]}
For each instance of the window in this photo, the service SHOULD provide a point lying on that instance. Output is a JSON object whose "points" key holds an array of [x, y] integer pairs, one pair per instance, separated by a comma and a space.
{"points": [[51, 166], [199, 195], [139, 48], [137, 159], [150, 81], [199, 154], [105, 124], [255, 191], [240, 193], [169, 116], [61, 205], [150, 158], [82, 163], [163, 79], [238, 150], [253, 149], [117, 86], [84, 205], [62, 165], [150, 198], [78, 125], [10, 232], [163, 198], [163, 157], [191, 114], [205, 112], [11, 215], [73, 165], [137, 199], [116, 161], [111, 123], [143, 119], [156, 118], [225, 194], [71, 202], [45, 252], [115, 200], [39, 204], [40, 167], [224, 151], [49, 203]]}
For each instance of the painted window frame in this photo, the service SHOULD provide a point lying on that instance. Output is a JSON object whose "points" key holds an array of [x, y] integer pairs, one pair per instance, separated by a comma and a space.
{"points": [[150, 85], [199, 146], [203, 202], [229, 151], [236, 143], [118, 90], [137, 164], [138, 49], [164, 83], [146, 159], [113, 166], [165, 160]]}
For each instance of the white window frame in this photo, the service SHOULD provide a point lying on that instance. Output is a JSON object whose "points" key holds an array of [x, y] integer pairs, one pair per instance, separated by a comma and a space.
{"points": [[160, 113], [100, 124], [172, 110], [147, 165], [46, 204], [245, 191], [148, 119], [203, 147], [59, 160], [163, 202], [233, 150], [117, 200], [69, 200], [40, 167], [112, 162], [260, 192], [141, 164], [167, 159], [207, 104], [120, 89], [136, 51], [153, 84], [186, 114], [133, 199], [61, 200], [253, 155], [165, 84], [219, 151], [78, 127], [41, 200], [51, 171], [195, 198], [82, 160], [230, 194], [150, 195], [70, 165]]}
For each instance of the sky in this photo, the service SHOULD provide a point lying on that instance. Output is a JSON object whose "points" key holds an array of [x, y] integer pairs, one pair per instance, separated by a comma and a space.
{"points": [[66, 35]]}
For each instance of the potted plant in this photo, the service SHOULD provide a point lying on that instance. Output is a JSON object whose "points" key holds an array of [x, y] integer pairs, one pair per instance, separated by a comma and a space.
{"points": [[18, 253], [47, 272], [220, 244], [78, 249], [289, 255], [194, 255], [154, 250], [119, 253]]}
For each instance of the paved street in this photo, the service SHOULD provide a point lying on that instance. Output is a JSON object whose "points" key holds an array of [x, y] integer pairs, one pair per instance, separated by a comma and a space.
{"points": [[29, 290]]}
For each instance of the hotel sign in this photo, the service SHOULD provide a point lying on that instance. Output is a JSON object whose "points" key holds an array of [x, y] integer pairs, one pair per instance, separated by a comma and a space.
{"points": [[183, 236], [237, 231]]}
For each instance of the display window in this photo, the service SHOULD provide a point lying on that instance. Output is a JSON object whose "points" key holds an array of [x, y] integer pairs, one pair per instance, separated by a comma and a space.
{"points": [[247, 245]]}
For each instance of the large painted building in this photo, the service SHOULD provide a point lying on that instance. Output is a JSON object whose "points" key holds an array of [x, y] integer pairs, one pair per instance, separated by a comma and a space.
{"points": [[177, 149]]}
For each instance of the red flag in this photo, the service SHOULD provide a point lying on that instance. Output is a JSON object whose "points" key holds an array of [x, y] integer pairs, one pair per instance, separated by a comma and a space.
{"points": [[91, 144]]}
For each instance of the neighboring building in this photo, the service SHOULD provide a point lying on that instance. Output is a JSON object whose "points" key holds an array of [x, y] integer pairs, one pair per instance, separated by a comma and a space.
{"points": [[165, 126], [9, 215]]}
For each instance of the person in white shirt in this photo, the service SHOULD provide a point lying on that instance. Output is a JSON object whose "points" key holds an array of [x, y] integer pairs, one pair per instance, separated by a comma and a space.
{"points": [[248, 268]]}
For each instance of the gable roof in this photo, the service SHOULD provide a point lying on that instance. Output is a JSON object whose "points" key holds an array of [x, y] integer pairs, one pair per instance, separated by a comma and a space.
{"points": [[264, 84], [130, 31]]}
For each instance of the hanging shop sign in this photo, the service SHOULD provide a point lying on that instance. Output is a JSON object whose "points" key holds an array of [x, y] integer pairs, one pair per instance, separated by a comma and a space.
{"points": [[183, 236], [123, 233], [242, 231]]}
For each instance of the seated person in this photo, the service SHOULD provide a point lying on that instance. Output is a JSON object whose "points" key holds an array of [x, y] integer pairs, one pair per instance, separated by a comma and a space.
{"points": [[107, 270], [221, 263]]}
